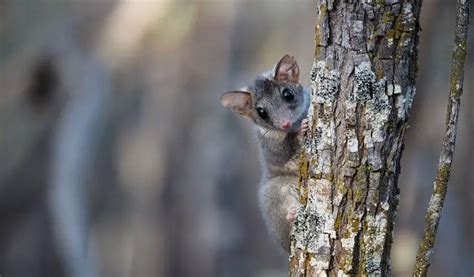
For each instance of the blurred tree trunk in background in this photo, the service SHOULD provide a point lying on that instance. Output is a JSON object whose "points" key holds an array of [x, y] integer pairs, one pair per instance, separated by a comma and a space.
{"points": [[362, 83]]}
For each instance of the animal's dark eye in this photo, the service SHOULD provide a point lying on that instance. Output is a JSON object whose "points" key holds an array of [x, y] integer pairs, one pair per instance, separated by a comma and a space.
{"points": [[287, 95], [262, 113]]}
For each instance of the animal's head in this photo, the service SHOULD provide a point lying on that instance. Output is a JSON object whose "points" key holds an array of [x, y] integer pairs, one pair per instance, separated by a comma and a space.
{"points": [[275, 100]]}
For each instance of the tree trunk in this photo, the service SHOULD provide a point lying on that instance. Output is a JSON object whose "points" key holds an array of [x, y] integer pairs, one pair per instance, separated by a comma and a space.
{"points": [[362, 83]]}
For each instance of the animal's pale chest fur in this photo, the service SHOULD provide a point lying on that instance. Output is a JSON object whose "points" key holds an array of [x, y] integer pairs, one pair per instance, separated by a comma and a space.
{"points": [[289, 168], [280, 152]]}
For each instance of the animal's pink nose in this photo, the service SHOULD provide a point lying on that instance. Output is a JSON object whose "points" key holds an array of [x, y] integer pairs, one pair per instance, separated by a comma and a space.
{"points": [[286, 124]]}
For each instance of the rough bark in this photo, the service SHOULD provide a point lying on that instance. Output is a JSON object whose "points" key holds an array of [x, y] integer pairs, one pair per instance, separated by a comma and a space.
{"points": [[435, 206], [362, 89]]}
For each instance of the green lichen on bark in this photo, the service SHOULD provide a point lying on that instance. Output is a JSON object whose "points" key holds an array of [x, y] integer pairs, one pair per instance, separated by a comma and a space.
{"points": [[432, 218], [457, 72]]}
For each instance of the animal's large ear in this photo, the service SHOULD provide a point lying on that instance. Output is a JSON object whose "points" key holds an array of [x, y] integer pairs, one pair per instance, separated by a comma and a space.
{"points": [[238, 101], [287, 70]]}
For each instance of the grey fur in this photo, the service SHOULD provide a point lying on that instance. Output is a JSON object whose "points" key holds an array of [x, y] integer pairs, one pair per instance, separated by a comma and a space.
{"points": [[280, 147]]}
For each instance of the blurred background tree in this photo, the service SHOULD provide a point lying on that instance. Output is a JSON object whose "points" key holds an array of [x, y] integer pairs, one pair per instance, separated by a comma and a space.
{"points": [[116, 157]]}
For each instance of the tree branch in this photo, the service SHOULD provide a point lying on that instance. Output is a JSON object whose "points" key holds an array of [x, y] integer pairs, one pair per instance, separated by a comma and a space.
{"points": [[435, 206]]}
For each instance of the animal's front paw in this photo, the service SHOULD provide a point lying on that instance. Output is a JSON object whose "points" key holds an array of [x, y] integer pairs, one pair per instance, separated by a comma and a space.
{"points": [[304, 127], [291, 215]]}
